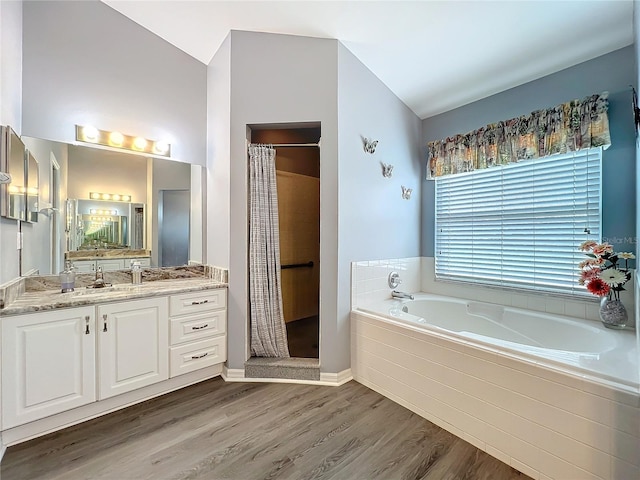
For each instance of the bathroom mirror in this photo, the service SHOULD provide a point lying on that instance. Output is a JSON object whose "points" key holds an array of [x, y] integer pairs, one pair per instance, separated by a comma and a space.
{"points": [[155, 197], [104, 225], [12, 161], [33, 185]]}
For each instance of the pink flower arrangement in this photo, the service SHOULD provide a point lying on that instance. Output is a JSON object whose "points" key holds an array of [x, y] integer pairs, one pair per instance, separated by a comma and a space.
{"points": [[600, 272]]}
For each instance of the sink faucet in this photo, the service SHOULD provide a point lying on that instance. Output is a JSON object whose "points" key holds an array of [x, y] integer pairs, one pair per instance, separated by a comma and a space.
{"points": [[99, 282], [396, 294]]}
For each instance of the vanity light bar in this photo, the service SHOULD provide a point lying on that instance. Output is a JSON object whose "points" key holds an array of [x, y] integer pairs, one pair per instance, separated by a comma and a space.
{"points": [[91, 134], [27, 190], [116, 197], [93, 211]]}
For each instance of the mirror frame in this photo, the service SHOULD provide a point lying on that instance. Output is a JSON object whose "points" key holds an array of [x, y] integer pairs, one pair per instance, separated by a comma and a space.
{"points": [[10, 140], [32, 181]]}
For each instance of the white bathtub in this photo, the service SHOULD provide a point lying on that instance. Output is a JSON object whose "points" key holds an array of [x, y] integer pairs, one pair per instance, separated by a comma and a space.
{"points": [[583, 348]]}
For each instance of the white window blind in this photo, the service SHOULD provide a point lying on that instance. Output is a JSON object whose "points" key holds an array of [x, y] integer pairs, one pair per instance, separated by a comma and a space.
{"points": [[519, 225]]}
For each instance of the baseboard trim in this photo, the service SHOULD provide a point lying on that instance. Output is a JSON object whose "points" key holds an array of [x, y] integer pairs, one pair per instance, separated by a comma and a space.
{"points": [[326, 379], [337, 379]]}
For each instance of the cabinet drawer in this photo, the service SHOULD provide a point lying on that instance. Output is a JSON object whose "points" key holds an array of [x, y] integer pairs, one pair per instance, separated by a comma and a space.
{"points": [[195, 355], [197, 326], [196, 302]]}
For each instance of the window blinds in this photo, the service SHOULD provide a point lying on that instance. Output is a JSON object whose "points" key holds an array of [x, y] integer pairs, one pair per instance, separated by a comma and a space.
{"points": [[519, 225]]}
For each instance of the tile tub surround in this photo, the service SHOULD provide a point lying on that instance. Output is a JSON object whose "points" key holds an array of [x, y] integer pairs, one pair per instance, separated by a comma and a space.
{"points": [[542, 422], [369, 279], [369, 284]]}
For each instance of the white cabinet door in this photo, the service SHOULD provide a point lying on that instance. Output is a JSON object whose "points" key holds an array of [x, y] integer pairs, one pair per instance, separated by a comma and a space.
{"points": [[84, 266], [111, 264], [48, 364], [133, 345]]}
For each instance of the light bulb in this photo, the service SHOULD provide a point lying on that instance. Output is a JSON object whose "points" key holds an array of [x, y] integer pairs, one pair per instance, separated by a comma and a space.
{"points": [[140, 143], [90, 133], [115, 197], [161, 148], [106, 196], [116, 138]]}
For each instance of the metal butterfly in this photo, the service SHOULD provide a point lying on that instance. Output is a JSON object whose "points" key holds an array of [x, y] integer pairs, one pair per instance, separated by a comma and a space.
{"points": [[387, 170], [406, 192], [370, 145], [636, 110]]}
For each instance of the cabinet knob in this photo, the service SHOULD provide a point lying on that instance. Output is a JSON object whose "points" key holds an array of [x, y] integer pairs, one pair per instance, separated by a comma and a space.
{"points": [[195, 357], [86, 319], [200, 303], [104, 318], [200, 327]]}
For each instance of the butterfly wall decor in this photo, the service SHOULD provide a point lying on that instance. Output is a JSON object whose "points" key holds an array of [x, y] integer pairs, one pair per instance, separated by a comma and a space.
{"points": [[406, 192], [370, 145], [387, 170], [636, 110]]}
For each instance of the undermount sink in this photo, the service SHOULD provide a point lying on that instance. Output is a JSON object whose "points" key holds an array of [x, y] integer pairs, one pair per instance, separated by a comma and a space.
{"points": [[97, 291]]}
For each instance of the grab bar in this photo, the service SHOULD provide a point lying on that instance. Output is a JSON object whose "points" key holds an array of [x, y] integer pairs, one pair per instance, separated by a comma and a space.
{"points": [[297, 265]]}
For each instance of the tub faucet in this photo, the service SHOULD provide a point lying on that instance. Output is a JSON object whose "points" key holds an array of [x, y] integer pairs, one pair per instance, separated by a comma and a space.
{"points": [[396, 294]]}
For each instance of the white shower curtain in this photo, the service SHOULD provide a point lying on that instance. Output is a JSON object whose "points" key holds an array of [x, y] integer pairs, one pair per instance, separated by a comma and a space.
{"points": [[268, 330]]}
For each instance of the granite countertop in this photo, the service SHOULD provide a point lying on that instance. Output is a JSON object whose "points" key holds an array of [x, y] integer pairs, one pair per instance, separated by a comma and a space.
{"points": [[105, 254], [45, 300]]}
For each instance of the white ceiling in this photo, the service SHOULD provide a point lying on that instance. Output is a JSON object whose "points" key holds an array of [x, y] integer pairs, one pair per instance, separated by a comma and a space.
{"points": [[434, 55]]}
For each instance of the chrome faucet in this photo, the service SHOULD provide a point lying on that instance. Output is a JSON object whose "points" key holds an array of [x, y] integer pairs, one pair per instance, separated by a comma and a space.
{"points": [[99, 282], [396, 294]]}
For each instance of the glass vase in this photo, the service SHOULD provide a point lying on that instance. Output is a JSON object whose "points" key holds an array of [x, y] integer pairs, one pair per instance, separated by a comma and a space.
{"points": [[613, 314]]}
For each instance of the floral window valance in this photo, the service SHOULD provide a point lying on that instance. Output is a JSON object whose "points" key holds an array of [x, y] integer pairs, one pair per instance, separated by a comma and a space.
{"points": [[570, 126]]}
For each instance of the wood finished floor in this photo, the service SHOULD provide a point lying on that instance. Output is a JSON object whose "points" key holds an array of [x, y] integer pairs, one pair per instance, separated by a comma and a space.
{"points": [[244, 431]]}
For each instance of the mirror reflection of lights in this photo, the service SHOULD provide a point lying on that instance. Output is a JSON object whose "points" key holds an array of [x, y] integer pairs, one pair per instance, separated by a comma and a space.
{"points": [[117, 197]]}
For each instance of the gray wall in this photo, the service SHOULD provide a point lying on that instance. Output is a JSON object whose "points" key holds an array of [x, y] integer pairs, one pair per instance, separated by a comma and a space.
{"points": [[10, 114], [614, 73], [85, 63], [165, 175], [280, 79], [374, 221], [37, 248], [218, 155]]}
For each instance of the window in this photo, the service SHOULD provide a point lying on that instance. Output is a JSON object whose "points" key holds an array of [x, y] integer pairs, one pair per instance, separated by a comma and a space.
{"points": [[519, 225]]}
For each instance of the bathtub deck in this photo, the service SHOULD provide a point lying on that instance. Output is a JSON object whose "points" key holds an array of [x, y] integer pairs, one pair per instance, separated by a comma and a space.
{"points": [[250, 431]]}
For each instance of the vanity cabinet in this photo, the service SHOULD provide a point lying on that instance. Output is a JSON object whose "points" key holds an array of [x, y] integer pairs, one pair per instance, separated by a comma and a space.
{"points": [[132, 345], [109, 264], [197, 330], [63, 366], [48, 364]]}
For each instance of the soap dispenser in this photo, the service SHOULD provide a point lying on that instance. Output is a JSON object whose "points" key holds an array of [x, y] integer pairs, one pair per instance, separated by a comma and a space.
{"points": [[67, 278], [136, 273]]}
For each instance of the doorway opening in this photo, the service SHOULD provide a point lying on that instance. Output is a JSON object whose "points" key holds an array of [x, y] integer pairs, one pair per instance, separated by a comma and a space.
{"points": [[298, 187]]}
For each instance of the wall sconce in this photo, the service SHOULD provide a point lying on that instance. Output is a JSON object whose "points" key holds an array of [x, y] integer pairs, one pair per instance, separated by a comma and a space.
{"points": [[91, 134], [116, 197]]}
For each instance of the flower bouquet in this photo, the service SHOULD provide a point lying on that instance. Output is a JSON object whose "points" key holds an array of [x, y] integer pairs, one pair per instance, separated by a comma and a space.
{"points": [[603, 277], [600, 271]]}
